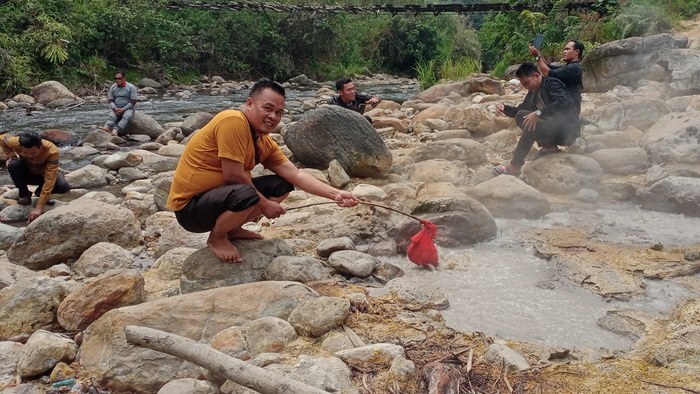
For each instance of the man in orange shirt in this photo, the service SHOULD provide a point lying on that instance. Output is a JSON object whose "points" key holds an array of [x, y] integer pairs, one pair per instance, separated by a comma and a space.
{"points": [[33, 161], [212, 188]]}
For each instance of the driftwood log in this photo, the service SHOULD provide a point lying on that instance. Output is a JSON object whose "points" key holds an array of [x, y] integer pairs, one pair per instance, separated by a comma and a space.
{"points": [[256, 378]]}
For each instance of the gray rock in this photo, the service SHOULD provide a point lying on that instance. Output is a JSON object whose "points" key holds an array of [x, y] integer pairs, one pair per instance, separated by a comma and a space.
{"points": [[498, 352], [642, 112], [417, 295], [199, 316], [49, 91], [142, 123], [11, 273], [630, 323], [268, 335], [401, 367], [609, 140], [337, 175], [118, 160], [132, 174], [622, 161], [332, 132], [195, 121], [562, 173], [336, 341], [370, 193], [172, 235], [10, 354], [189, 386], [470, 152], [43, 351], [318, 316], [353, 262], [141, 186], [88, 177], [327, 246], [8, 235], [202, 270], [326, 373], [509, 197], [299, 269], [29, 305], [66, 232], [673, 194], [440, 170], [148, 83], [587, 196], [15, 213], [169, 265], [171, 150], [231, 341], [375, 355], [674, 141]]}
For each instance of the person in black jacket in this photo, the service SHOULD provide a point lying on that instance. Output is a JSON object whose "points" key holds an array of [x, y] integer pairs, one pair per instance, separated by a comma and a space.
{"points": [[570, 73], [547, 116], [349, 98]]}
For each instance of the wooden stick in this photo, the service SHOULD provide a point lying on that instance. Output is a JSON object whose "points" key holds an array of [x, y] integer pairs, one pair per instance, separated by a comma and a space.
{"points": [[248, 375], [361, 202]]}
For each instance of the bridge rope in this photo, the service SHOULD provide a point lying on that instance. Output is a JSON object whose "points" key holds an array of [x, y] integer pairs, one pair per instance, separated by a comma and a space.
{"points": [[435, 9]]}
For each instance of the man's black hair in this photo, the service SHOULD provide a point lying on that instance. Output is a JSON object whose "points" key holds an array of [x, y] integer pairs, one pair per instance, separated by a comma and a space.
{"points": [[527, 69], [266, 84], [30, 139], [120, 72], [339, 84], [578, 45]]}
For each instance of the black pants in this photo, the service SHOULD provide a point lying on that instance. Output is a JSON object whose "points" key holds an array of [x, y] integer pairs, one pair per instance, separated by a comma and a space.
{"points": [[22, 177], [201, 212], [548, 133]]}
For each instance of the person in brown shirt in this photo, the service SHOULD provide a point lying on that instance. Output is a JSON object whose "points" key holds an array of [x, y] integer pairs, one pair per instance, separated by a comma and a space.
{"points": [[33, 161]]}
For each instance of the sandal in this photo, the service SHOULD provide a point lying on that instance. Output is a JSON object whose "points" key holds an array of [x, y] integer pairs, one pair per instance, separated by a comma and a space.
{"points": [[504, 170]]}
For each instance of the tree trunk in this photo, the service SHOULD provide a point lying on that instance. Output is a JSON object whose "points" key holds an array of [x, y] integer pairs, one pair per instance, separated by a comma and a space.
{"points": [[238, 371]]}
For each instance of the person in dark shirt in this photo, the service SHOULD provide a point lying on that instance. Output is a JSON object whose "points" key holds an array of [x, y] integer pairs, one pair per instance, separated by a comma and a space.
{"points": [[348, 98], [547, 115], [570, 73]]}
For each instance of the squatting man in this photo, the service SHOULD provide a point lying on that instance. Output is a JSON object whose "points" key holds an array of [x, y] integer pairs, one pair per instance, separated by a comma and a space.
{"points": [[212, 188]]}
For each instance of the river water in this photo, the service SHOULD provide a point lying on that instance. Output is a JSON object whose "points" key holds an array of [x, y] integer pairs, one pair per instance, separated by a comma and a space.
{"points": [[495, 287]]}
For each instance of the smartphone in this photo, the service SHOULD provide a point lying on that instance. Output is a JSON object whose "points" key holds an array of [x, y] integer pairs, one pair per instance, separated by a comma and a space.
{"points": [[537, 42]]}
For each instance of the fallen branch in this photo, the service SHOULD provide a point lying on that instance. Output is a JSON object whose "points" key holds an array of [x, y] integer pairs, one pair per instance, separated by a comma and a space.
{"points": [[250, 376], [668, 386]]}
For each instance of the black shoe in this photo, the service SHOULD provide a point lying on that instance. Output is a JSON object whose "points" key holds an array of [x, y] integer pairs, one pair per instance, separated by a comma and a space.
{"points": [[51, 201], [26, 200]]}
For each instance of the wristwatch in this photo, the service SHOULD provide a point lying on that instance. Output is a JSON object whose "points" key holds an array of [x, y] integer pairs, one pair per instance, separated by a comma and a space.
{"points": [[537, 58], [538, 112]]}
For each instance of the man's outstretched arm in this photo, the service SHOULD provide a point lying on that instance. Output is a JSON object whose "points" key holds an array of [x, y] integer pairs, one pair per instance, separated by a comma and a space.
{"points": [[309, 184]]}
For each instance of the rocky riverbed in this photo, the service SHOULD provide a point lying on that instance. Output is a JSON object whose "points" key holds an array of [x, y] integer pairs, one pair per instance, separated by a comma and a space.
{"points": [[579, 276]]}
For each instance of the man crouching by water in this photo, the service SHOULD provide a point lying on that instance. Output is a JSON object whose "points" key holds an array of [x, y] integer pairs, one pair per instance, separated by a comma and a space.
{"points": [[33, 161], [212, 189]]}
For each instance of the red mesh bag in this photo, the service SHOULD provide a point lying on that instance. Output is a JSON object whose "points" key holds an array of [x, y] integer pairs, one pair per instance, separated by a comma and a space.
{"points": [[422, 250]]}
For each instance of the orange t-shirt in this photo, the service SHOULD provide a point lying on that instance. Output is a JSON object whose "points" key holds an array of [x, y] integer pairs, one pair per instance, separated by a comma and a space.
{"points": [[227, 136]]}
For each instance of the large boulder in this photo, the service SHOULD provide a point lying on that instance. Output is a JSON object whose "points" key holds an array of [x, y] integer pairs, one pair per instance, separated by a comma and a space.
{"points": [[198, 316], [61, 138], [436, 92], [195, 121], [674, 141], [142, 123], [29, 305], [509, 197], [49, 91], [468, 151], [673, 194], [333, 132], [562, 173], [625, 62], [66, 232], [90, 176], [202, 270]]}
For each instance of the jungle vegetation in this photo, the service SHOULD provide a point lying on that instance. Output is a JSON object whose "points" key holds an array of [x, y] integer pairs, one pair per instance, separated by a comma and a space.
{"points": [[82, 42]]}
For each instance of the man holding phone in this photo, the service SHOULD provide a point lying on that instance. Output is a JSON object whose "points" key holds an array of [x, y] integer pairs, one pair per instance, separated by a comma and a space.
{"points": [[348, 98], [570, 73]]}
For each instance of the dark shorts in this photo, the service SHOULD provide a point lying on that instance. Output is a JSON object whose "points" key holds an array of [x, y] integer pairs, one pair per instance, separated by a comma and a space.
{"points": [[200, 214]]}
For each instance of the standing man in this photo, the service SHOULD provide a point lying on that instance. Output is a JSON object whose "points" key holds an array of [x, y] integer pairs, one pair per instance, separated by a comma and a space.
{"points": [[33, 161], [570, 73], [348, 98], [122, 100], [212, 189], [547, 116]]}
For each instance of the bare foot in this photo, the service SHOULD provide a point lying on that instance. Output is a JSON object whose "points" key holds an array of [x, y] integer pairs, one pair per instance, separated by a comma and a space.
{"points": [[240, 233], [224, 249]]}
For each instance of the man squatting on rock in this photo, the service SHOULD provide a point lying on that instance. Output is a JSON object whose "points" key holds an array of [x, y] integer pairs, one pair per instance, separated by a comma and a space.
{"points": [[33, 161], [547, 116], [212, 188], [122, 100], [349, 98]]}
